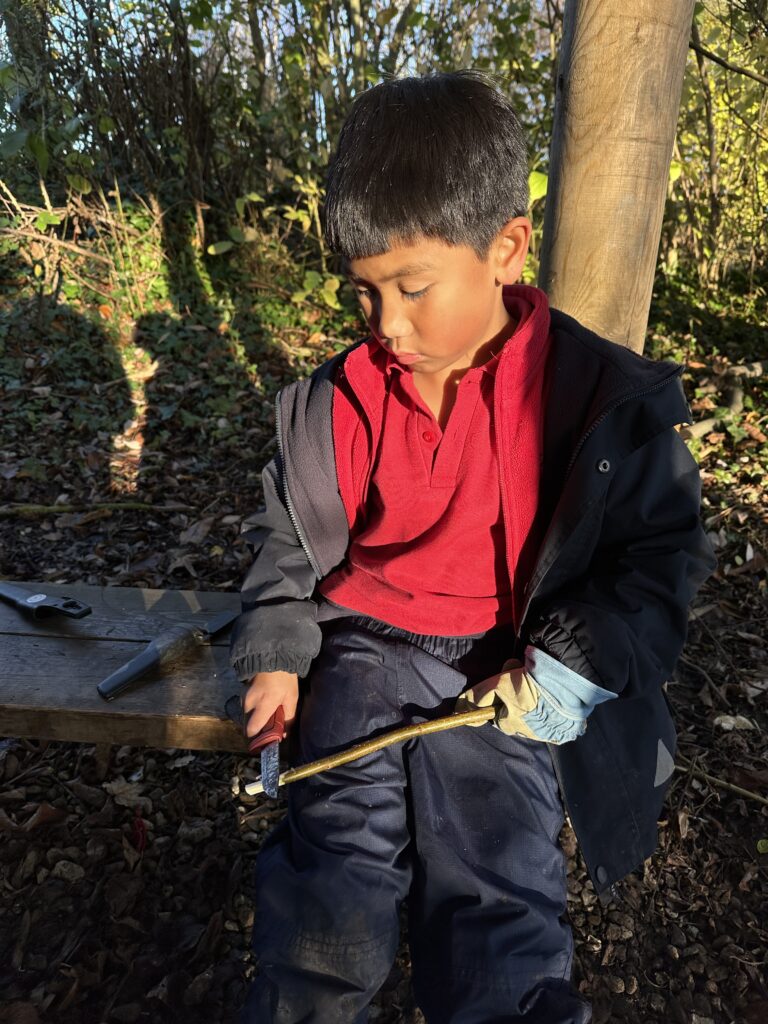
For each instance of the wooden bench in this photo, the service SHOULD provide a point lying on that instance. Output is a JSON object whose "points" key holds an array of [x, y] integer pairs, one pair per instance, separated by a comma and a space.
{"points": [[50, 667]]}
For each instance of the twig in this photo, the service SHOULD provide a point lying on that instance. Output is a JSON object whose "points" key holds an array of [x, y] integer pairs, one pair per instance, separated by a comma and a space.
{"points": [[686, 766], [475, 717], [37, 236], [708, 679], [43, 510], [727, 64], [700, 428]]}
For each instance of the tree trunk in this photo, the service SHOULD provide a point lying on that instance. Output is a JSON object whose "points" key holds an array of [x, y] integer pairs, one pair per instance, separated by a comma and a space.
{"points": [[618, 94]]}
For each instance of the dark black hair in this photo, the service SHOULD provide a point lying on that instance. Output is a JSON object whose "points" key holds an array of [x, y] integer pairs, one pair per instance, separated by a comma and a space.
{"points": [[442, 156]]}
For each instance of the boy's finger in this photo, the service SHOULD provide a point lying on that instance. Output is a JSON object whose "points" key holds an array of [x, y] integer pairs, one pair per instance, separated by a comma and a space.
{"points": [[256, 720]]}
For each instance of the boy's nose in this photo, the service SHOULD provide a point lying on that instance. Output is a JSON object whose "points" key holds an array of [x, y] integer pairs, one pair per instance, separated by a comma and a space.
{"points": [[391, 322]]}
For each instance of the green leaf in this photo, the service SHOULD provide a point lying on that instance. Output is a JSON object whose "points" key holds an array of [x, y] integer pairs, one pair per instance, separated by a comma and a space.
{"points": [[12, 142], [299, 296], [331, 284], [7, 74], [537, 183], [675, 170], [39, 151], [219, 247], [79, 184], [200, 13], [330, 299], [312, 279], [46, 220], [386, 15], [236, 235], [250, 197], [72, 126], [106, 125]]}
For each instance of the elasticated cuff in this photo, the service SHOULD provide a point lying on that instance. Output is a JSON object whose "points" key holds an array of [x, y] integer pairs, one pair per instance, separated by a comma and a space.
{"points": [[279, 660]]}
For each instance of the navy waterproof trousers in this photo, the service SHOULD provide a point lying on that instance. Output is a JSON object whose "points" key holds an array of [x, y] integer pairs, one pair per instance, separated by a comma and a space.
{"points": [[463, 823]]}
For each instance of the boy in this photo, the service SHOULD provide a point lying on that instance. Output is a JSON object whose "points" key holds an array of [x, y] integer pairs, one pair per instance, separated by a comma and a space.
{"points": [[484, 499]]}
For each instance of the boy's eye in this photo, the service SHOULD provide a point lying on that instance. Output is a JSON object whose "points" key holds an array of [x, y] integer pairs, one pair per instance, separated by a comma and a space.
{"points": [[366, 293], [412, 296]]}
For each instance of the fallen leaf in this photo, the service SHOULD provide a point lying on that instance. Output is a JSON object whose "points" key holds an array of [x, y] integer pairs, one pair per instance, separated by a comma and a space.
{"points": [[44, 815], [749, 875], [729, 722], [127, 794], [753, 778], [7, 823], [21, 941], [682, 823], [131, 854], [181, 762], [19, 1013], [183, 562], [198, 531]]}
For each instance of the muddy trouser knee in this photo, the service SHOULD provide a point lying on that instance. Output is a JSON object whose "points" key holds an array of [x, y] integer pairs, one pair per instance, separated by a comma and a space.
{"points": [[465, 823]]}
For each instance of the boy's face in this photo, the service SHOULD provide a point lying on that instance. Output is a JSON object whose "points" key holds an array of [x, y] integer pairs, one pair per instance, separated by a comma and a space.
{"points": [[437, 307]]}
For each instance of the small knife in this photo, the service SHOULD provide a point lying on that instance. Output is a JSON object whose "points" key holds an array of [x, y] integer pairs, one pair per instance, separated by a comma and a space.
{"points": [[171, 644], [41, 605], [268, 742]]}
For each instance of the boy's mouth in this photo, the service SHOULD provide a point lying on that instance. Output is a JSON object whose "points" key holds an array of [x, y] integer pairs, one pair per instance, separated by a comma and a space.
{"points": [[406, 358]]}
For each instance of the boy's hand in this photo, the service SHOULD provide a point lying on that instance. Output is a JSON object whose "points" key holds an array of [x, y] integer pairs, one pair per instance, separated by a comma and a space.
{"points": [[266, 692], [521, 705]]}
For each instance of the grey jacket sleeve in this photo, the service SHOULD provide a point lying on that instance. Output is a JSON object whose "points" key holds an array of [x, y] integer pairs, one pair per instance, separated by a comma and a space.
{"points": [[622, 623], [277, 628]]}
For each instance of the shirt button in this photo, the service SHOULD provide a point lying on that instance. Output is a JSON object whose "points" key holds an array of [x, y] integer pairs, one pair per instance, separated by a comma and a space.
{"points": [[428, 436]]}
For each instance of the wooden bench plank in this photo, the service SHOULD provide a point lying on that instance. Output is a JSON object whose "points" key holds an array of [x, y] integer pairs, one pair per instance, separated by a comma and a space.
{"points": [[119, 613], [49, 669]]}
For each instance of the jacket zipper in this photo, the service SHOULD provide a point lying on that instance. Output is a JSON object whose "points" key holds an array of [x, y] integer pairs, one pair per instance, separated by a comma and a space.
{"points": [[529, 595], [288, 503], [609, 409]]}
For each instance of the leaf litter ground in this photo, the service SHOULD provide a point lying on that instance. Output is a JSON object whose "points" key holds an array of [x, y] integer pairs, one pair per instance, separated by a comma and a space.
{"points": [[126, 872]]}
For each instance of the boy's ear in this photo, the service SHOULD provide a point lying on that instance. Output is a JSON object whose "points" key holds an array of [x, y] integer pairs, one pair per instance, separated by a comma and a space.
{"points": [[510, 249]]}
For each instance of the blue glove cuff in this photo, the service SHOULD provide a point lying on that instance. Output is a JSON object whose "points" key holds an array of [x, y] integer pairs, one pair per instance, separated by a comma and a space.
{"points": [[565, 698]]}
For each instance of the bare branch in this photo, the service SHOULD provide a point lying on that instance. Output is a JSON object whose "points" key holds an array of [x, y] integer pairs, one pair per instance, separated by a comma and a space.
{"points": [[763, 79]]}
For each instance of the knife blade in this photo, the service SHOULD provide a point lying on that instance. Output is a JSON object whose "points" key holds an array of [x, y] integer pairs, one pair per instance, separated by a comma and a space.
{"points": [[171, 643], [268, 742]]}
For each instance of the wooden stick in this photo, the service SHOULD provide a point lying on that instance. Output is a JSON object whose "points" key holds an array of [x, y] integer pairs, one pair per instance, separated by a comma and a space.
{"points": [[44, 510], [686, 766], [475, 717]]}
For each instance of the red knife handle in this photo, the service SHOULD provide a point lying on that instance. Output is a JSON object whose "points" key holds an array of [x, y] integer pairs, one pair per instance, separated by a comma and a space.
{"points": [[271, 733]]}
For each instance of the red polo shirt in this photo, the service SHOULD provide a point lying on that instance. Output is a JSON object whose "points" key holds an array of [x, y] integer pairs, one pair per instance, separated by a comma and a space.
{"points": [[429, 553]]}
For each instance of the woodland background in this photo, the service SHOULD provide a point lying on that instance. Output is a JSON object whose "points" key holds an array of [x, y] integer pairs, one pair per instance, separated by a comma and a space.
{"points": [[162, 274]]}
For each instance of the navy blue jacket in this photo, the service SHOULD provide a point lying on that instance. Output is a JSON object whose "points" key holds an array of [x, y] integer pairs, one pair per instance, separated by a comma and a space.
{"points": [[622, 557]]}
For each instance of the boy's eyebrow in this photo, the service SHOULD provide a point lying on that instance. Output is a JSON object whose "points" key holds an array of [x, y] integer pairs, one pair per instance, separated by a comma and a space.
{"points": [[409, 268]]}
